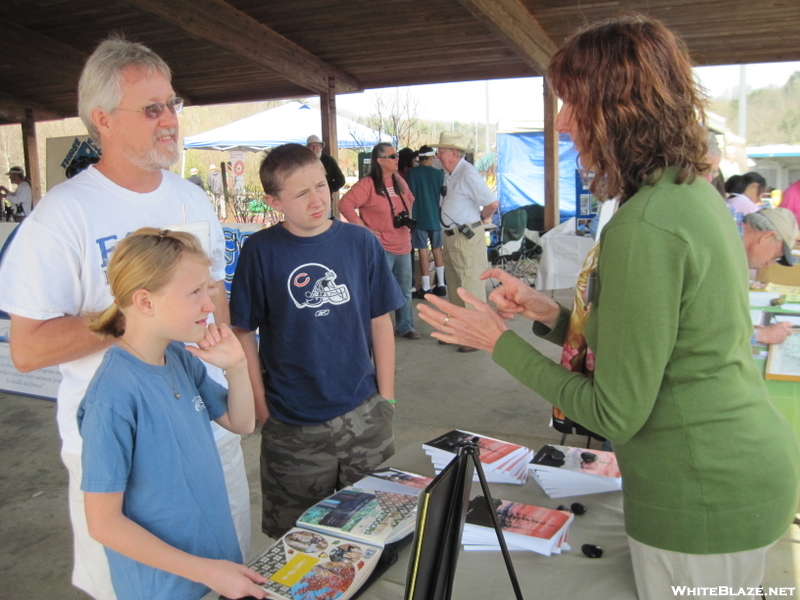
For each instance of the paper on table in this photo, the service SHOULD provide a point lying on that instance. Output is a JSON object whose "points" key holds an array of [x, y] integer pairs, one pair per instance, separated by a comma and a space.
{"points": [[762, 298], [795, 321]]}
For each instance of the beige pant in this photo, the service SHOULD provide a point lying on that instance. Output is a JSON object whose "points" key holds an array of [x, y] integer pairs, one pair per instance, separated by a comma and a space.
{"points": [[464, 261], [662, 574], [90, 571]]}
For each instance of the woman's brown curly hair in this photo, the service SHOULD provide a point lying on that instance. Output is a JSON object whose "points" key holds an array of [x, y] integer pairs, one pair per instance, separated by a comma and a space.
{"points": [[635, 103]]}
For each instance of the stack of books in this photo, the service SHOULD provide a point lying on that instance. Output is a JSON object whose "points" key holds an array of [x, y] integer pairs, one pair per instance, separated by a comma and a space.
{"points": [[567, 471], [525, 527], [502, 462], [337, 543]]}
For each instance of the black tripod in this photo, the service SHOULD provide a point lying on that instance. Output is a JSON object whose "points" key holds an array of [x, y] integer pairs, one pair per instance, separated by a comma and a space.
{"points": [[471, 449]]}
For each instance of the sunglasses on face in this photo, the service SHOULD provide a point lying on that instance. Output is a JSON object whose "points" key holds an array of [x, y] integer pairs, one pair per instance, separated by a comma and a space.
{"points": [[154, 111], [392, 156]]}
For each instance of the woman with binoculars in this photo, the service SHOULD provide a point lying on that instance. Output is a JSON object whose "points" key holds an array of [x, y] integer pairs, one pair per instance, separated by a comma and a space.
{"points": [[384, 203]]}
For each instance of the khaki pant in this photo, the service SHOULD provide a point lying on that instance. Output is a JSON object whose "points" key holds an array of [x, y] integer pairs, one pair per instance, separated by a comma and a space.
{"points": [[464, 261], [662, 574]]}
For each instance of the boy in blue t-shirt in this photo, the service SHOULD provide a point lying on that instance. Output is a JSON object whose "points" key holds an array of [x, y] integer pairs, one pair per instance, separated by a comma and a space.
{"points": [[319, 292]]}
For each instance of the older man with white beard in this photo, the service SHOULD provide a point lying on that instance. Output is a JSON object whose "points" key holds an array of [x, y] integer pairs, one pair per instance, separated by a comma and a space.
{"points": [[55, 270], [332, 171]]}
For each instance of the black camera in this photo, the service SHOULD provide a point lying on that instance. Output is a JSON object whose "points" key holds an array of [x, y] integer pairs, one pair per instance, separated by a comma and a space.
{"points": [[466, 230], [403, 220]]}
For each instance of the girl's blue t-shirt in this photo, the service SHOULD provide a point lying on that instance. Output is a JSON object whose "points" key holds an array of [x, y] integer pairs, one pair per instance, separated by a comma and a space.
{"points": [[160, 451]]}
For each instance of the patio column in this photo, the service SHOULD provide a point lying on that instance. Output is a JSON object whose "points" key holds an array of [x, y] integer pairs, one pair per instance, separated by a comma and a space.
{"points": [[327, 107], [30, 151], [551, 162]]}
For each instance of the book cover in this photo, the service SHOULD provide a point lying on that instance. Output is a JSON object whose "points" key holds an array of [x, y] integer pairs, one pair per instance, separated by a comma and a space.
{"points": [[394, 480], [518, 518], [491, 450], [305, 564], [532, 527], [374, 517], [604, 465]]}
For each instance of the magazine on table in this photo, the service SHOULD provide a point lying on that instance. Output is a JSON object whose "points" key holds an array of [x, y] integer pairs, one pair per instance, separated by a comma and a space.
{"points": [[306, 564], [338, 542], [525, 527]]}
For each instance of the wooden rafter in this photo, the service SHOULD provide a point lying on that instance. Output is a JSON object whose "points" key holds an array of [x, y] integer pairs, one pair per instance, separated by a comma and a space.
{"points": [[37, 52], [219, 23], [518, 29], [12, 110]]}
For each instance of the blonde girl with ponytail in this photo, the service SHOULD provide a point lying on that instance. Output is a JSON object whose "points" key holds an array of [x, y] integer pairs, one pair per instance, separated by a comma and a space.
{"points": [[153, 484]]}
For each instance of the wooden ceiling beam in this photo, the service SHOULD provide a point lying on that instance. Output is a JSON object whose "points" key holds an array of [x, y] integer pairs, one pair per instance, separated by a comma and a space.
{"points": [[36, 52], [517, 28], [12, 110], [219, 23]]}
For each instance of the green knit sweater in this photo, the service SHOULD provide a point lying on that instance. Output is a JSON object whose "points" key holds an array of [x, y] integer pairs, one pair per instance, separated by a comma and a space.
{"points": [[709, 466]]}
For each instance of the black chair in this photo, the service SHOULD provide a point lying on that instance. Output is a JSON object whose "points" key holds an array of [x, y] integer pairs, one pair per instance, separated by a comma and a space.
{"points": [[513, 251]]}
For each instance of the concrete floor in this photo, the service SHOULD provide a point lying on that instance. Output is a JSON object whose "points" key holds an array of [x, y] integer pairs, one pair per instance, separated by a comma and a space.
{"points": [[437, 389]]}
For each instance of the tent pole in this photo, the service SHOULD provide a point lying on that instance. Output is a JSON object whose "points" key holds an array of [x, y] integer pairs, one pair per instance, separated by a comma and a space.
{"points": [[551, 162]]}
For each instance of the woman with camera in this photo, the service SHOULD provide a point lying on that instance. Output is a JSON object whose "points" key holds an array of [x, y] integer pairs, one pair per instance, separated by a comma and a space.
{"points": [[384, 201]]}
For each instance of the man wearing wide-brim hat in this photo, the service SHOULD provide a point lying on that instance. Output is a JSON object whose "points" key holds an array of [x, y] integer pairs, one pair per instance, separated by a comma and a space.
{"points": [[22, 198], [466, 203], [332, 171]]}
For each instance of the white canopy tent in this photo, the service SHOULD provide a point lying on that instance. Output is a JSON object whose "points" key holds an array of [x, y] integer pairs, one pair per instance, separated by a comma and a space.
{"points": [[291, 122]]}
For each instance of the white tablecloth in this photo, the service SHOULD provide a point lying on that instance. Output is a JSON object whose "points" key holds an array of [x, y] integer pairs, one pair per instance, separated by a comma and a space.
{"points": [[567, 576]]}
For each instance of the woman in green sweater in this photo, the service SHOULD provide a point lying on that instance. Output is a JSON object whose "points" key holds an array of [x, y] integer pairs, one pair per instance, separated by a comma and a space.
{"points": [[710, 468]]}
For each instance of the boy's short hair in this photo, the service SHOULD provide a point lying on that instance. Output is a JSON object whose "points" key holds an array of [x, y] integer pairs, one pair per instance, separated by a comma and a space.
{"points": [[281, 162]]}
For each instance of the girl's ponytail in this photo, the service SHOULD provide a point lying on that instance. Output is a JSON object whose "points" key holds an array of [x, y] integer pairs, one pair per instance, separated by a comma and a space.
{"points": [[109, 322]]}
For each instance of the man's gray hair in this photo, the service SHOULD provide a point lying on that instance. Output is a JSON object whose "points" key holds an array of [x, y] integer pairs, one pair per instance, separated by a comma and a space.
{"points": [[460, 153], [713, 145], [760, 223], [101, 81]]}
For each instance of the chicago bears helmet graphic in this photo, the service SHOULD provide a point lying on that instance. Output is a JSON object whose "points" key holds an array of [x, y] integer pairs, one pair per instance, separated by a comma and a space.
{"points": [[313, 285]]}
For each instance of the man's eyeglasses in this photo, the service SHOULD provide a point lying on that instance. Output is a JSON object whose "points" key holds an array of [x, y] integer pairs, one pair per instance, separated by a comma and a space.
{"points": [[392, 156], [154, 111]]}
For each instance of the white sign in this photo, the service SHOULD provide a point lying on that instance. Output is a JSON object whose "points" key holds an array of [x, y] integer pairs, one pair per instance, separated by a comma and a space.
{"points": [[42, 383]]}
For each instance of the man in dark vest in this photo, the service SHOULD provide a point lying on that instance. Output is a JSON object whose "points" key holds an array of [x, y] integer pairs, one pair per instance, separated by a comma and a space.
{"points": [[332, 171]]}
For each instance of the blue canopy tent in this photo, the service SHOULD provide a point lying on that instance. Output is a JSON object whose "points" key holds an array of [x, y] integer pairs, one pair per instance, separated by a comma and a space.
{"points": [[290, 122], [520, 172]]}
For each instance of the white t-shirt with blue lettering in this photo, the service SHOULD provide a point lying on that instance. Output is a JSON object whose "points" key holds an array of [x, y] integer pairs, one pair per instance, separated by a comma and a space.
{"points": [[57, 263]]}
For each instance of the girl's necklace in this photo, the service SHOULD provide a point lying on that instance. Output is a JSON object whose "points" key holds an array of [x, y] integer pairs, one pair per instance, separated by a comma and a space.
{"points": [[171, 372]]}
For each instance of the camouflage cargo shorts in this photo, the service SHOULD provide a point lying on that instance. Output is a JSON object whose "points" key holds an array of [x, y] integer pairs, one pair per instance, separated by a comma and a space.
{"points": [[302, 464]]}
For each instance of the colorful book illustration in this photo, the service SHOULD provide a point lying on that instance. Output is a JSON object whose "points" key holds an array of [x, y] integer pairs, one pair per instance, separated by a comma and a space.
{"points": [[376, 518], [338, 541], [567, 471], [503, 462], [305, 564], [525, 527]]}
